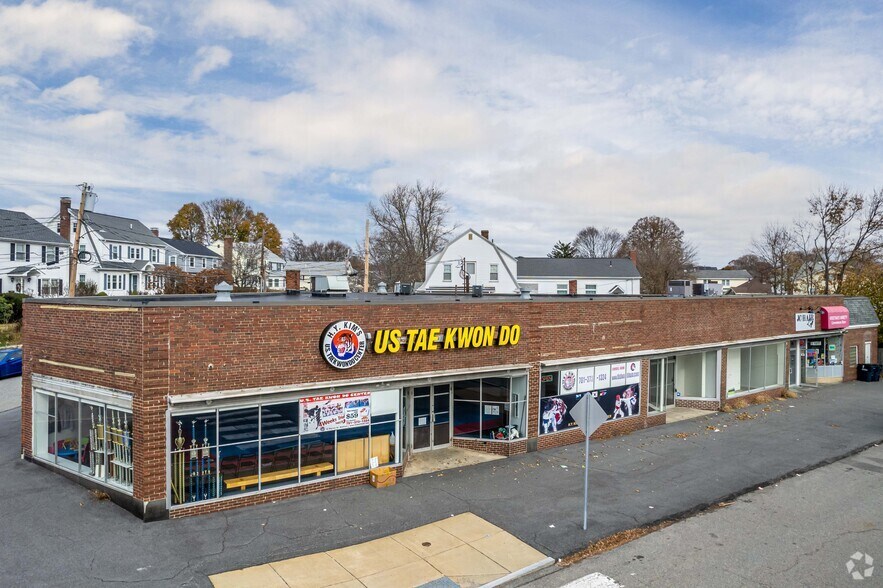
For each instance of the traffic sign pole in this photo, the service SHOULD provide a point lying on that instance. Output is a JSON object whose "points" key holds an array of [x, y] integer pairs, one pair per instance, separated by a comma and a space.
{"points": [[586, 489]]}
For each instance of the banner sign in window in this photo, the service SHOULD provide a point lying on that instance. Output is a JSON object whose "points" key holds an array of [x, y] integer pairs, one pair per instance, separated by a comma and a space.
{"points": [[618, 402], [617, 374], [334, 411]]}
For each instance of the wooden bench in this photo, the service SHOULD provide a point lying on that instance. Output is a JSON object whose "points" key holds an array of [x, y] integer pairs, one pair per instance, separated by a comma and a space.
{"points": [[246, 481]]}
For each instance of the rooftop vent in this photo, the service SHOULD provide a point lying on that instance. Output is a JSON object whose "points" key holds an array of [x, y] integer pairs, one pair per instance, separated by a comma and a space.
{"points": [[223, 292], [381, 288], [525, 294]]}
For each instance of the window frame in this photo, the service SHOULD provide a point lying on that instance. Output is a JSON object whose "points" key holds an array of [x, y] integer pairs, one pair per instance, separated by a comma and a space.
{"points": [[447, 273], [494, 272]]}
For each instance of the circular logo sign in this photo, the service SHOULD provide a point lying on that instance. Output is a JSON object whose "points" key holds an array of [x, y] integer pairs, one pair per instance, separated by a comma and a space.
{"points": [[343, 344]]}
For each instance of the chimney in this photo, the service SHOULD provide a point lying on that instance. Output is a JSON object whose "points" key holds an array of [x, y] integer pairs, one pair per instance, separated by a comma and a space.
{"points": [[292, 281], [64, 218], [633, 255], [228, 254], [571, 288], [486, 234], [155, 231]]}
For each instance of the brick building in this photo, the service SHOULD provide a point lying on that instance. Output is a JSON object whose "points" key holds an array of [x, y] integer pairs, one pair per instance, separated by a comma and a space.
{"points": [[183, 405]]}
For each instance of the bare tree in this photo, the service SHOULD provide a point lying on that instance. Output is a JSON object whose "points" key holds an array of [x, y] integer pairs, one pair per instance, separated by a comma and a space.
{"points": [[831, 213], [293, 249], [592, 242], [227, 217], [410, 224], [866, 241], [772, 247], [663, 254], [806, 257], [246, 270]]}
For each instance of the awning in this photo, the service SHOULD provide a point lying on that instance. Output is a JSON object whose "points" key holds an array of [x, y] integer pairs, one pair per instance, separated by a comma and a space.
{"points": [[834, 317]]}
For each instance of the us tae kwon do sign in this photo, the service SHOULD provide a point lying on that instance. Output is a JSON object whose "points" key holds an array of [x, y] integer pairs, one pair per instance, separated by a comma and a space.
{"points": [[434, 339]]}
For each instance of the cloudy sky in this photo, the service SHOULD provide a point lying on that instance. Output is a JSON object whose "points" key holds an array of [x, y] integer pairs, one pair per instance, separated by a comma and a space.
{"points": [[537, 117]]}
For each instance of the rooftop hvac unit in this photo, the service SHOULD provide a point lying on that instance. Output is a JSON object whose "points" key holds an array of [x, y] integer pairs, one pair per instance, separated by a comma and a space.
{"points": [[329, 285], [680, 288]]}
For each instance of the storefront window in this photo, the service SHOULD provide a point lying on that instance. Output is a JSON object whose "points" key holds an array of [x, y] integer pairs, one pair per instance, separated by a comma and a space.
{"points": [[88, 437], [755, 368], [490, 408], [548, 384], [232, 451], [696, 375]]}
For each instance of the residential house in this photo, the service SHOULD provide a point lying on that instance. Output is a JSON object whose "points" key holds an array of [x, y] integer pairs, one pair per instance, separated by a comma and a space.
{"points": [[579, 275], [311, 269], [246, 268], [189, 256], [726, 278], [33, 258], [118, 253], [474, 254]]}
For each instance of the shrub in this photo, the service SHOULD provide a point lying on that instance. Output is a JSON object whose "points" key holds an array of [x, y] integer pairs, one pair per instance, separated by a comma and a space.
{"points": [[88, 288], [739, 403], [16, 300], [5, 310], [102, 293]]}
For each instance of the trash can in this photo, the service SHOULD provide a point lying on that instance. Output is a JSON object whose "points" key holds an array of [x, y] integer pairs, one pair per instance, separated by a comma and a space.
{"points": [[875, 377], [864, 372]]}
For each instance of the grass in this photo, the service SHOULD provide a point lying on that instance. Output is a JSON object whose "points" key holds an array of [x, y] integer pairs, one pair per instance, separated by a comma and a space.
{"points": [[739, 403], [761, 399]]}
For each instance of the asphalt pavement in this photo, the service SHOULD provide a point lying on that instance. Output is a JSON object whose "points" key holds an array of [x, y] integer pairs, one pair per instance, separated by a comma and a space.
{"points": [[56, 533], [10, 393], [803, 531]]}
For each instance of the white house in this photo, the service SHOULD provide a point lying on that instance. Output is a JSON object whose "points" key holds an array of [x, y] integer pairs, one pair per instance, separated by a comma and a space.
{"points": [[189, 256], [310, 269], [579, 275], [726, 278], [246, 265], [498, 272], [33, 258], [474, 254], [119, 254]]}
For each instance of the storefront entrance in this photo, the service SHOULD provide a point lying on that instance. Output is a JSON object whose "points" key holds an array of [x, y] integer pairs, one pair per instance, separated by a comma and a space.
{"points": [[431, 417]]}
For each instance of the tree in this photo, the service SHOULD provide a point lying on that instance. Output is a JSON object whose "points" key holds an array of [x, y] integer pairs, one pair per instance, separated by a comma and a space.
{"points": [[246, 270], [754, 265], [595, 243], [293, 250], [662, 252], [6, 310], [772, 249], [562, 249], [188, 223], [261, 230], [172, 278], [868, 281], [227, 217], [410, 224]]}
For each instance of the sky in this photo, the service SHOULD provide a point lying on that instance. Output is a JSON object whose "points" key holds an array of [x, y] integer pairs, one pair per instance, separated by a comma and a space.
{"points": [[537, 118]]}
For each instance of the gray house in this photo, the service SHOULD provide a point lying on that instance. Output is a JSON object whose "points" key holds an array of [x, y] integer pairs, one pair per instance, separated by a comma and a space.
{"points": [[190, 256], [33, 258], [593, 276]]}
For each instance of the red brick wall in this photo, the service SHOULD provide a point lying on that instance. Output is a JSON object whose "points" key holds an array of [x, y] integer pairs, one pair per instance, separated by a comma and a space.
{"points": [[107, 342], [858, 337], [181, 350], [493, 447], [710, 404]]}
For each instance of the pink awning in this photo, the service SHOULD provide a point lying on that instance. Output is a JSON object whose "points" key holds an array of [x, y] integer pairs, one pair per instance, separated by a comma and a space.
{"points": [[834, 317]]}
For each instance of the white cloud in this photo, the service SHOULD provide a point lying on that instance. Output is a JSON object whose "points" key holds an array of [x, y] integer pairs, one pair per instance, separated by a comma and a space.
{"points": [[82, 92], [251, 18], [211, 58], [64, 33]]}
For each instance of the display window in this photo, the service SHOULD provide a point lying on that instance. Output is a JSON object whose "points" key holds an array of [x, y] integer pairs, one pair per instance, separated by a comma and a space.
{"points": [[90, 438], [490, 408], [232, 451], [754, 368]]}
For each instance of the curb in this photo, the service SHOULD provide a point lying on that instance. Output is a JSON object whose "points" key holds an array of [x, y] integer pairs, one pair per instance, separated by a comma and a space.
{"points": [[519, 573]]}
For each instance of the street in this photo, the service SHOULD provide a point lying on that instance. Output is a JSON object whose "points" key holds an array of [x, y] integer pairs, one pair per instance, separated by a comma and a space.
{"points": [[799, 532]]}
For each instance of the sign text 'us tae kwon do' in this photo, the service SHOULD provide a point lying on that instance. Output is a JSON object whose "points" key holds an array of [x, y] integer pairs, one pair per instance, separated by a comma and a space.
{"points": [[434, 339]]}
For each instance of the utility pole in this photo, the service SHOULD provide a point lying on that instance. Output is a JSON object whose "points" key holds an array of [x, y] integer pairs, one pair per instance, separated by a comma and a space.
{"points": [[263, 269], [367, 256], [86, 190]]}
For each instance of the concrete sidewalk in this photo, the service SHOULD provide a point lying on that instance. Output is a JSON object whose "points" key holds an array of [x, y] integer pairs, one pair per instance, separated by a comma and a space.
{"points": [[55, 533]]}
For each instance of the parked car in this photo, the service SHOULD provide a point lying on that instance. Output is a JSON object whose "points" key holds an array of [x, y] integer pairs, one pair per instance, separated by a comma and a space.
{"points": [[10, 362]]}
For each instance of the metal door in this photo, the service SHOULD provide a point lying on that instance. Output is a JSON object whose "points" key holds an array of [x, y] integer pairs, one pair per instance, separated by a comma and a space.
{"points": [[431, 417]]}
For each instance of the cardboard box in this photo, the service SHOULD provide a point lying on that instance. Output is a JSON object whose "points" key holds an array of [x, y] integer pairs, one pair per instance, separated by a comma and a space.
{"points": [[382, 477]]}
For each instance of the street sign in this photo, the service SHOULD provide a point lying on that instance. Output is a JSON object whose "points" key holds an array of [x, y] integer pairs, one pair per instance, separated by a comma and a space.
{"points": [[588, 415], [597, 416]]}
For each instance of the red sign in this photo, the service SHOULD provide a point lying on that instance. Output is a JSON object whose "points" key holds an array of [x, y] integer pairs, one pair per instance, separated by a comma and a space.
{"points": [[834, 317]]}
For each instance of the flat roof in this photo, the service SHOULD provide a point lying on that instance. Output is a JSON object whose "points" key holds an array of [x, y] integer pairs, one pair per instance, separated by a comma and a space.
{"points": [[307, 299]]}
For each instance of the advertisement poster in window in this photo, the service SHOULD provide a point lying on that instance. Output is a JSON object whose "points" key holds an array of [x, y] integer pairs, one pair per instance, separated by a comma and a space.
{"points": [[633, 372], [602, 377], [617, 374], [568, 381], [618, 402], [585, 379], [334, 411]]}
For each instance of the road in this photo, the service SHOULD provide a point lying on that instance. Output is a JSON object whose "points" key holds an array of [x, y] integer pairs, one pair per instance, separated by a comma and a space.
{"points": [[799, 532], [10, 393]]}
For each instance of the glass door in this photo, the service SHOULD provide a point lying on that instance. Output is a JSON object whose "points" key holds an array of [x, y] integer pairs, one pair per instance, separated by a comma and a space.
{"points": [[431, 420], [793, 366], [441, 415], [669, 381], [421, 420]]}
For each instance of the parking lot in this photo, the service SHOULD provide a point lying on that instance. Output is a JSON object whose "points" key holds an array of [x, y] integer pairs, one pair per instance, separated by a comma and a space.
{"points": [[10, 393]]}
